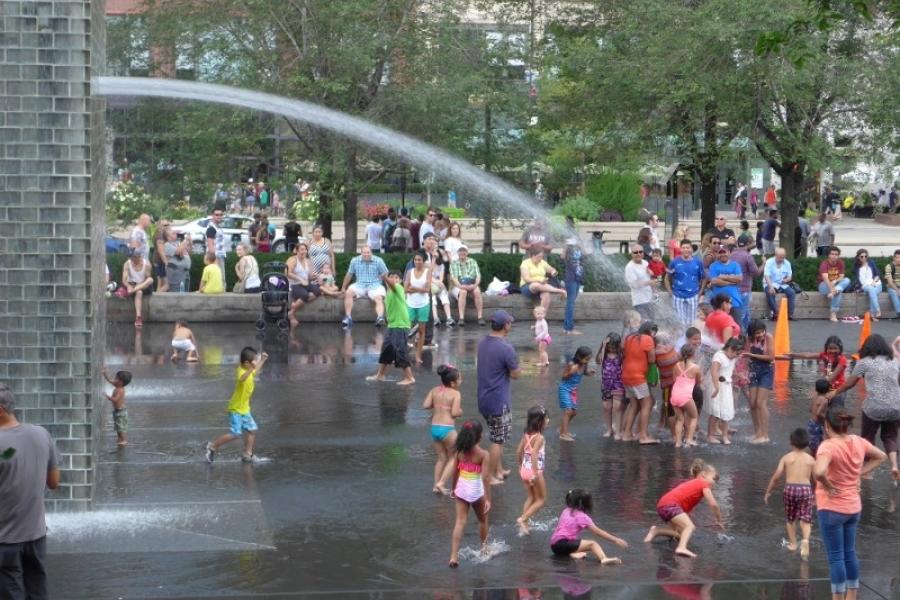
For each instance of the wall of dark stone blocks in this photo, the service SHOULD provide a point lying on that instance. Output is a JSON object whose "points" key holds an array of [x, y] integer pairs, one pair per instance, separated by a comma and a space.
{"points": [[52, 177]]}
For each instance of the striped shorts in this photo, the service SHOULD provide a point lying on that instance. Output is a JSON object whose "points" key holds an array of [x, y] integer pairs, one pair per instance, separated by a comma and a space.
{"points": [[686, 309]]}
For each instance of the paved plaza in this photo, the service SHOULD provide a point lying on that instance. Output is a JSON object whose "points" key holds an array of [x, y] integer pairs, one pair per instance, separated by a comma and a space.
{"points": [[342, 506]]}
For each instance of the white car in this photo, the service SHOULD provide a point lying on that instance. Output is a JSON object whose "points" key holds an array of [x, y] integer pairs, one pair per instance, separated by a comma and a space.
{"points": [[236, 229]]}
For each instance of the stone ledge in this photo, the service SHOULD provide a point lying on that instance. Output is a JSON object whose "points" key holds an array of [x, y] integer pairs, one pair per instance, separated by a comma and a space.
{"points": [[591, 306]]}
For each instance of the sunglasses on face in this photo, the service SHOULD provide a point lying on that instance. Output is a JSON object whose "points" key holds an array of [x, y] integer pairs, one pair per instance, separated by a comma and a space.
{"points": [[637, 252]]}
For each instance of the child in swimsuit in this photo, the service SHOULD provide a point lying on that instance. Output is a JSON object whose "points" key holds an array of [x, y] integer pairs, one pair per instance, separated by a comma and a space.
{"points": [[609, 357], [817, 410], [531, 464], [470, 489], [541, 335], [797, 468], [675, 505], [568, 389], [574, 518], [687, 377], [444, 404]]}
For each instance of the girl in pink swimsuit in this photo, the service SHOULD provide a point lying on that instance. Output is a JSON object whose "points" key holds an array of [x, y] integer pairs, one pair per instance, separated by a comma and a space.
{"points": [[469, 487], [531, 464]]}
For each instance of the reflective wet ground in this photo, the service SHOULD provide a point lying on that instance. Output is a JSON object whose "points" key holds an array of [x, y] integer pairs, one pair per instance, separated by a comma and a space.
{"points": [[343, 507]]}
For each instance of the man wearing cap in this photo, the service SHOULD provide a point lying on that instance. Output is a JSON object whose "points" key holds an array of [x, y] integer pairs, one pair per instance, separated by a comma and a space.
{"points": [[497, 365], [750, 271], [465, 279], [27, 469], [778, 276], [723, 277]]}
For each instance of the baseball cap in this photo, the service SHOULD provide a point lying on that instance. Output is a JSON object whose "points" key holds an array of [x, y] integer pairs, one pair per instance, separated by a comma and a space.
{"points": [[501, 317], [743, 241], [428, 235]]}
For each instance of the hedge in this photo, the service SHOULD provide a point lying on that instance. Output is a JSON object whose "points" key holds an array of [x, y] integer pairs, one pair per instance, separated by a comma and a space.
{"points": [[605, 277]]}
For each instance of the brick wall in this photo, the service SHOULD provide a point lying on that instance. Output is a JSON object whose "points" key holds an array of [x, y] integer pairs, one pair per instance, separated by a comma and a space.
{"points": [[52, 308]]}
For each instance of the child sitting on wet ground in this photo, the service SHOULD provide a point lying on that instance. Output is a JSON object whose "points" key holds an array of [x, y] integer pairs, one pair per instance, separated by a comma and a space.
{"points": [[574, 518], [183, 341], [797, 468], [676, 504], [120, 415], [444, 404]]}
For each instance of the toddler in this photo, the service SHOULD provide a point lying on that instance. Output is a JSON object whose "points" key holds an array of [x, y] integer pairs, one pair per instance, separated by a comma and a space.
{"points": [[327, 283], [211, 281], [609, 358], [797, 468], [183, 341], [817, 409], [541, 335], [120, 415]]}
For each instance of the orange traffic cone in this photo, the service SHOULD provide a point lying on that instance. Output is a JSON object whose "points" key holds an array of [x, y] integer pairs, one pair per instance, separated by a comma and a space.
{"points": [[782, 346], [864, 333]]}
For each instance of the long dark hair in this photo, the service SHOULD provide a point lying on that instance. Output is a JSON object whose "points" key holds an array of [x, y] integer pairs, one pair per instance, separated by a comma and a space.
{"points": [[468, 437], [534, 422], [578, 499], [839, 419], [876, 346], [832, 362], [448, 374], [612, 341]]}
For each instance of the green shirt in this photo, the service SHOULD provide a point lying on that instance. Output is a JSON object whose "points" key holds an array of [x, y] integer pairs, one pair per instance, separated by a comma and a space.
{"points": [[395, 307], [462, 270]]}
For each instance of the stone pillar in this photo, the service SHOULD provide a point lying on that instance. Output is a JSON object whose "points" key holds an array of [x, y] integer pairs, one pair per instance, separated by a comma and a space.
{"points": [[52, 226]]}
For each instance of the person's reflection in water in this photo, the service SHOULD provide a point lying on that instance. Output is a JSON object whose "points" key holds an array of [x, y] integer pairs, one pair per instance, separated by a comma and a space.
{"points": [[393, 404], [799, 589], [566, 466], [573, 586], [682, 572]]}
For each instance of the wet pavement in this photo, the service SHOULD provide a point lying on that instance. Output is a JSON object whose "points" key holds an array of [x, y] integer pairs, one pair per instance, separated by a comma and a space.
{"points": [[342, 505]]}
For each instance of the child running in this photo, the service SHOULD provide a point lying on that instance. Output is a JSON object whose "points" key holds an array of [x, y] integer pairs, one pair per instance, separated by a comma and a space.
{"points": [[676, 504], [120, 415], [574, 518], [568, 390], [444, 404], [393, 349], [183, 341], [797, 468], [687, 377], [818, 408], [721, 393], [240, 418], [541, 335], [531, 464], [609, 359], [470, 489]]}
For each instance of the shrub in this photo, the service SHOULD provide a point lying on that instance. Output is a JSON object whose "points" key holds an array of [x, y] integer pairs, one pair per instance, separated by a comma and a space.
{"points": [[618, 192], [453, 212], [182, 211], [127, 201], [580, 208]]}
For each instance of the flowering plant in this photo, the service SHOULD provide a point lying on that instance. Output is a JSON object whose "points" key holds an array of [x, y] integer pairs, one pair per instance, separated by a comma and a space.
{"points": [[127, 200], [375, 210]]}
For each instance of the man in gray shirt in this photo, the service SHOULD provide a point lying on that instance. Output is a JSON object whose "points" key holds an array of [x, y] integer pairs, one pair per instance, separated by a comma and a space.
{"points": [[28, 465], [823, 231]]}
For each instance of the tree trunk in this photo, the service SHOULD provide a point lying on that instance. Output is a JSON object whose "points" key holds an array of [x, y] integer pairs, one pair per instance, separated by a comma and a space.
{"points": [[707, 202], [792, 176], [488, 242], [350, 204]]}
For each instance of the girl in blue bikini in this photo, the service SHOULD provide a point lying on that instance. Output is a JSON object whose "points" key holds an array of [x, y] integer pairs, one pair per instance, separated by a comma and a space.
{"points": [[444, 403]]}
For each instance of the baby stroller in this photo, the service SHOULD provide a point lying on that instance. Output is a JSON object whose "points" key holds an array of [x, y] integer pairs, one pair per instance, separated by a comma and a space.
{"points": [[275, 297]]}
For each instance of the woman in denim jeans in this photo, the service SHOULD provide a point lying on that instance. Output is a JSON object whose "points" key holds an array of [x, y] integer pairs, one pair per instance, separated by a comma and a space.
{"points": [[574, 274], [867, 281], [840, 462]]}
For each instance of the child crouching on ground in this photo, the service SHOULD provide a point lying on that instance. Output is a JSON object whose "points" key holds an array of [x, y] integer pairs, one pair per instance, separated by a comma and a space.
{"points": [[183, 341], [574, 518]]}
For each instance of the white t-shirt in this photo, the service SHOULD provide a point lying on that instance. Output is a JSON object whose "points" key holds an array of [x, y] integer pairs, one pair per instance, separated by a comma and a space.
{"points": [[638, 278], [373, 235], [451, 245]]}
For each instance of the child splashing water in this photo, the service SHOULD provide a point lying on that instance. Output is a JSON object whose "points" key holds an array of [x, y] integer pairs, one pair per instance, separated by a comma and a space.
{"points": [[531, 464], [574, 518], [676, 504], [541, 335], [609, 359], [687, 377], [470, 486], [797, 468], [568, 389], [444, 404]]}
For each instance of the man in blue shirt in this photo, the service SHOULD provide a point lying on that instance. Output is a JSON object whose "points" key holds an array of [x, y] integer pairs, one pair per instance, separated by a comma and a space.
{"points": [[368, 271], [684, 282], [724, 277], [777, 276]]}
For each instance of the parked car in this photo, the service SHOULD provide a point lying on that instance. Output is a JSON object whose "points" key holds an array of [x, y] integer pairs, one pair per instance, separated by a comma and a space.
{"points": [[236, 228], [116, 245]]}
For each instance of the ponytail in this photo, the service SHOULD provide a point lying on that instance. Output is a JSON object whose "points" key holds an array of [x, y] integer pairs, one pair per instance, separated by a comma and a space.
{"points": [[839, 419]]}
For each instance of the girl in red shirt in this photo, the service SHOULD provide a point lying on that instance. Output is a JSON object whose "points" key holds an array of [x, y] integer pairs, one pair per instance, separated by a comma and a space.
{"points": [[831, 360], [675, 505]]}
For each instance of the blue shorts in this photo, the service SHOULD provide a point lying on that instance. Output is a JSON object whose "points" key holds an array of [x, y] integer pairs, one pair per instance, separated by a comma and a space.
{"points": [[568, 399], [525, 290], [762, 375], [439, 432], [240, 423]]}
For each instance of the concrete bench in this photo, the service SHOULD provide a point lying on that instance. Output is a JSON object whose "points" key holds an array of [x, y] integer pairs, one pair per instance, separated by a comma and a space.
{"points": [[590, 306]]}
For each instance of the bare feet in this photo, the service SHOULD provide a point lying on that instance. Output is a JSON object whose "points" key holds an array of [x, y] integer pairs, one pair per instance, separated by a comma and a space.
{"points": [[375, 378], [406, 382], [440, 490], [648, 441], [294, 322], [712, 440], [650, 535], [895, 474], [454, 562], [685, 552], [122, 443], [804, 549], [791, 547], [496, 481], [174, 357], [505, 472], [607, 433], [573, 332], [612, 560], [193, 359], [565, 437], [726, 441], [523, 526], [578, 555]]}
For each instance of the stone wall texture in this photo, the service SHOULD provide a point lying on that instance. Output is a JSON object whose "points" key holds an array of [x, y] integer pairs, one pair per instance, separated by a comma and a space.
{"points": [[52, 307]]}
